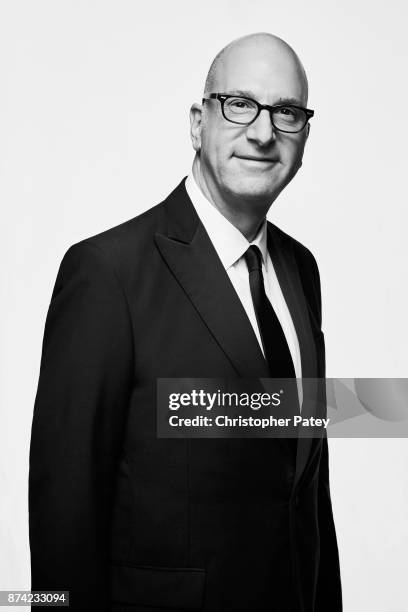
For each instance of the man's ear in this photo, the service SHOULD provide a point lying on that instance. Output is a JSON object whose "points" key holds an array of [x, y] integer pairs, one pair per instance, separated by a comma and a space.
{"points": [[308, 130], [196, 116]]}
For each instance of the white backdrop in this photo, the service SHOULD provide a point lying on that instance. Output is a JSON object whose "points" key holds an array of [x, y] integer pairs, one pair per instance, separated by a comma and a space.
{"points": [[94, 129]]}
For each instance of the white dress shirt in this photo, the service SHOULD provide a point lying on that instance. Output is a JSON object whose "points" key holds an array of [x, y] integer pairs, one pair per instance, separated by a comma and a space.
{"points": [[230, 246]]}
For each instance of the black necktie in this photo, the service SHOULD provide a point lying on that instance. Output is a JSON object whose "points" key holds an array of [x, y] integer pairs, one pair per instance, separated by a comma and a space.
{"points": [[274, 343]]}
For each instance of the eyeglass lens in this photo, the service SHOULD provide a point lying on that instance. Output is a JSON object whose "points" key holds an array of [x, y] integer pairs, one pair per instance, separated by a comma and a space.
{"points": [[243, 110]]}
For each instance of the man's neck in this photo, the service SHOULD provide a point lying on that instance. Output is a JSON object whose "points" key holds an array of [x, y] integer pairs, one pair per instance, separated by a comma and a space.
{"points": [[247, 222]]}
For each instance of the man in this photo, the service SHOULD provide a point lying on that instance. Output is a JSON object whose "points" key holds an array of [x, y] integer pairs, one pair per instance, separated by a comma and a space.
{"points": [[198, 286]]}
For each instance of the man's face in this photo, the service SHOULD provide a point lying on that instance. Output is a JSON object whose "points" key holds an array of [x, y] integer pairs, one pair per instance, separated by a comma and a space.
{"points": [[256, 161]]}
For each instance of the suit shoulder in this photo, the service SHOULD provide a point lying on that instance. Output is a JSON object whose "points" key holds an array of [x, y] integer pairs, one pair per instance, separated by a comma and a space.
{"points": [[130, 232], [123, 243], [302, 253]]}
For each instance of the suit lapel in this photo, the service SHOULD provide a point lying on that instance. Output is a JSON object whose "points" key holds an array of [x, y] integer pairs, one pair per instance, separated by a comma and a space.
{"points": [[191, 256], [286, 269], [188, 251]]}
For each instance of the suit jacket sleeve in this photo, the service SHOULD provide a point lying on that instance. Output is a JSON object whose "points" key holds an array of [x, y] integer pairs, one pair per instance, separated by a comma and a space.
{"points": [[79, 415], [328, 594]]}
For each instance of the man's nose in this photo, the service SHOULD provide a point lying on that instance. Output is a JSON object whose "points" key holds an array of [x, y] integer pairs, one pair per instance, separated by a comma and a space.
{"points": [[261, 130]]}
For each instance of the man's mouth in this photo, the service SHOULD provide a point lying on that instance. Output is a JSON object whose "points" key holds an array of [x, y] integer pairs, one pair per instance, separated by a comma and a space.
{"points": [[255, 158]]}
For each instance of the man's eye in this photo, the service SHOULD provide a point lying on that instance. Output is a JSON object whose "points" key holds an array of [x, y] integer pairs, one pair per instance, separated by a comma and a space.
{"points": [[240, 104], [286, 110]]}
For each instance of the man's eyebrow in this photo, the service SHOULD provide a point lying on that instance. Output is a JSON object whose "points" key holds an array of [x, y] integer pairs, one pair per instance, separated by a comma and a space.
{"points": [[250, 94], [294, 101], [241, 92]]}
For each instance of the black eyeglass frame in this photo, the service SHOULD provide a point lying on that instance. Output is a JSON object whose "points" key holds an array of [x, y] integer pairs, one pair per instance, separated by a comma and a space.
{"points": [[223, 97]]}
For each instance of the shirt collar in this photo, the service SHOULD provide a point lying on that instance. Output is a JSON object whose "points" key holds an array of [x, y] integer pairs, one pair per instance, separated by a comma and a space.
{"points": [[228, 241]]}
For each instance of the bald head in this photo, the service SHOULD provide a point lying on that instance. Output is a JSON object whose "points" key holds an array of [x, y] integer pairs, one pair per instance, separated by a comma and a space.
{"points": [[264, 51]]}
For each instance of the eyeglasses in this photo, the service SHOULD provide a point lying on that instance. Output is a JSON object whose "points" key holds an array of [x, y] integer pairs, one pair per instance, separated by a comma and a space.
{"points": [[243, 111]]}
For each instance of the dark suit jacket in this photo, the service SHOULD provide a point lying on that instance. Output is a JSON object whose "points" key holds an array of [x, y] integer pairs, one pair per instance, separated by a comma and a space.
{"points": [[118, 516]]}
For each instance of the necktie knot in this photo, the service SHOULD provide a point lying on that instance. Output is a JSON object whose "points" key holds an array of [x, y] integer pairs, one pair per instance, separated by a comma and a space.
{"points": [[253, 258]]}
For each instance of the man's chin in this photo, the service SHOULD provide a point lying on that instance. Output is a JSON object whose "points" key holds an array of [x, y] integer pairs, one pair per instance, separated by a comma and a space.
{"points": [[254, 189]]}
